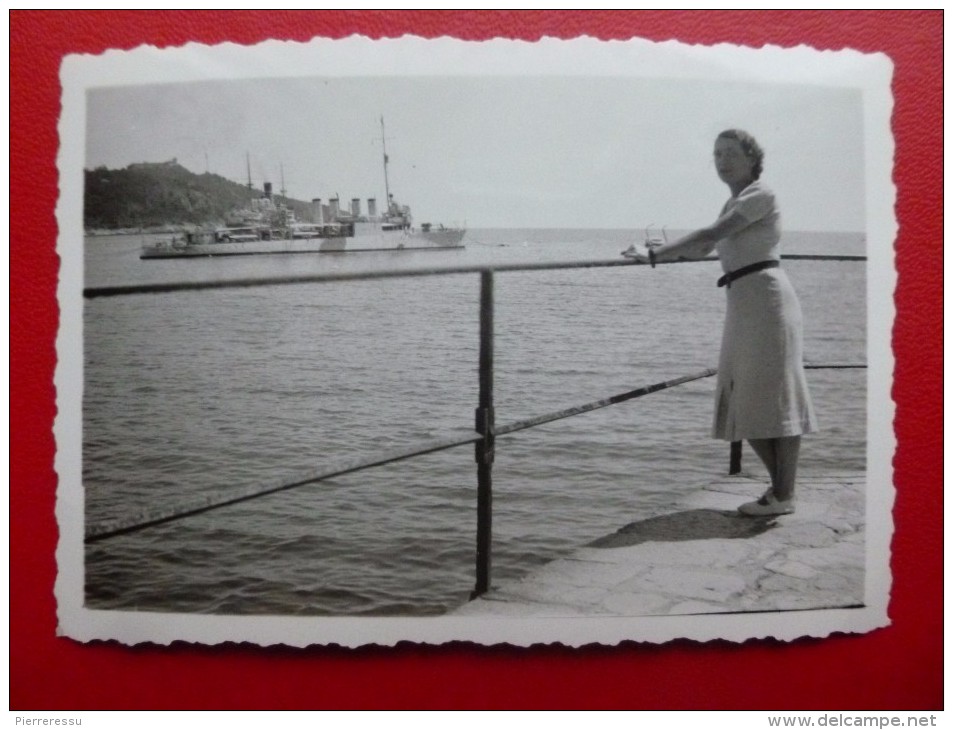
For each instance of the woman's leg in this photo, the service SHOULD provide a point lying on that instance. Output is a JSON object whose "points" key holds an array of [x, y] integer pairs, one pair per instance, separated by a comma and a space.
{"points": [[787, 450], [780, 457], [765, 449]]}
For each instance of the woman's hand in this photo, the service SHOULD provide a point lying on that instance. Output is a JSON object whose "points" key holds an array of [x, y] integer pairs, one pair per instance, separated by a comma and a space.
{"points": [[637, 251], [644, 253]]}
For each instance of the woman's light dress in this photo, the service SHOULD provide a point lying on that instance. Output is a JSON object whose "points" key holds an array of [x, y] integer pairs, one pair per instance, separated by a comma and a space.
{"points": [[761, 391]]}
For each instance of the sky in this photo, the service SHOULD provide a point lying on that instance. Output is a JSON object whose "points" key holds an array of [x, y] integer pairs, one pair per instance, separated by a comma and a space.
{"points": [[502, 151]]}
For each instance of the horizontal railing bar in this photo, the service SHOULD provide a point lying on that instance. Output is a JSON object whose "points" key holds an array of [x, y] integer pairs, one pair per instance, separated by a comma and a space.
{"points": [[95, 292], [602, 403], [638, 392], [132, 523], [120, 526], [160, 288]]}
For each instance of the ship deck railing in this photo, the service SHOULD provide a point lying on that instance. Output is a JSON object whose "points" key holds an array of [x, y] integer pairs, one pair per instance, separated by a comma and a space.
{"points": [[482, 436]]}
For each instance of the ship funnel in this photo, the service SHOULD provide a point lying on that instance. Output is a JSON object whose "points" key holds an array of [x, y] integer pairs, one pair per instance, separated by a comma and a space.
{"points": [[334, 203], [317, 213], [371, 207], [356, 207], [268, 190]]}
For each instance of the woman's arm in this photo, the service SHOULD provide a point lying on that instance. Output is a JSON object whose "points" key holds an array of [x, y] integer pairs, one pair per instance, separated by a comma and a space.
{"points": [[700, 243]]}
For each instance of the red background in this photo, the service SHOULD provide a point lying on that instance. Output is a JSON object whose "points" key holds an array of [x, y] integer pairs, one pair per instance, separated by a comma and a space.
{"points": [[899, 667]]}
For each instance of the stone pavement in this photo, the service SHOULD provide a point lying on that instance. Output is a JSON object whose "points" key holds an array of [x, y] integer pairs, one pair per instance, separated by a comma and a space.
{"points": [[701, 556]]}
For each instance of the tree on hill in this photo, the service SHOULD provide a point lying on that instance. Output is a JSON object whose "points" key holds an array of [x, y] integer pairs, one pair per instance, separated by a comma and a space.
{"points": [[147, 194]]}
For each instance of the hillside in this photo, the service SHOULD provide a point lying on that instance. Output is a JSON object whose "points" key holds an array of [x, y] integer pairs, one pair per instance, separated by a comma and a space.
{"points": [[163, 195]]}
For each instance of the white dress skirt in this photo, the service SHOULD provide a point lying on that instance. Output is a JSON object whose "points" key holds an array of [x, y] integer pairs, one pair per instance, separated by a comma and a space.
{"points": [[761, 391]]}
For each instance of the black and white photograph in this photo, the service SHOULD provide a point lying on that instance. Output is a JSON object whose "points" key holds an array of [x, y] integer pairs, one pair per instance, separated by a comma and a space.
{"points": [[432, 340]]}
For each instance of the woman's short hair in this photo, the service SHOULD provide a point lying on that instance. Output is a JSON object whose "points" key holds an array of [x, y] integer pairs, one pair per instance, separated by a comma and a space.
{"points": [[750, 146]]}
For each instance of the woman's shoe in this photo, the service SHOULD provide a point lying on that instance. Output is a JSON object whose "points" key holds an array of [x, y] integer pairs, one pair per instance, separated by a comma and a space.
{"points": [[768, 505]]}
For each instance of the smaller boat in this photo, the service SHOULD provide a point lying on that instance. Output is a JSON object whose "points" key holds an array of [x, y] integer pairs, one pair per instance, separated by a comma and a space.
{"points": [[652, 240]]}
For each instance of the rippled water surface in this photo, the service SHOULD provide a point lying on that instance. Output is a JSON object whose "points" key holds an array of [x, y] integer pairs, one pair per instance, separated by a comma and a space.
{"points": [[189, 393]]}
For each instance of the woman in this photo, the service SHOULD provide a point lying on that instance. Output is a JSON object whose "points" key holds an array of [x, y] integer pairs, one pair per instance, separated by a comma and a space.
{"points": [[762, 393]]}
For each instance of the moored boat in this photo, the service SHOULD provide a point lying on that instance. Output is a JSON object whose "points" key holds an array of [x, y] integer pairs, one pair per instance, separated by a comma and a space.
{"points": [[267, 226]]}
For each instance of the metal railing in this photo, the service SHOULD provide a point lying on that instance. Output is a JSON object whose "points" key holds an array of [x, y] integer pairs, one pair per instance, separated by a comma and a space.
{"points": [[485, 429]]}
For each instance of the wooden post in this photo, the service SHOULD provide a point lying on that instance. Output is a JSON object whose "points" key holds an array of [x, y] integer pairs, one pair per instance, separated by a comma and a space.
{"points": [[734, 461], [484, 448]]}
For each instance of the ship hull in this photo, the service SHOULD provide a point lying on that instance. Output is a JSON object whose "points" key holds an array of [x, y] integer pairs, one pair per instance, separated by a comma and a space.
{"points": [[379, 240]]}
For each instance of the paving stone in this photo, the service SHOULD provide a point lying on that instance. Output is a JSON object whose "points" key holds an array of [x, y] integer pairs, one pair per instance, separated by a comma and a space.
{"points": [[792, 568], [809, 534], [782, 584], [839, 525], [839, 553], [766, 553], [808, 510], [832, 582], [706, 585]]}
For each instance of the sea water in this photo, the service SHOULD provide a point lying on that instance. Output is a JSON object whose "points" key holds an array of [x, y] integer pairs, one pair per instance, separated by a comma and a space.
{"points": [[190, 393]]}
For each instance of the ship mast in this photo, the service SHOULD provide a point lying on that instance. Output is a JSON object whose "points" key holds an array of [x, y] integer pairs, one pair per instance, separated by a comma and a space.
{"points": [[282, 168], [386, 183], [248, 166]]}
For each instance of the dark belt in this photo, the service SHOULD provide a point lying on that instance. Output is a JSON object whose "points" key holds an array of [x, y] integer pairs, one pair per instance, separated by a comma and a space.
{"points": [[745, 270]]}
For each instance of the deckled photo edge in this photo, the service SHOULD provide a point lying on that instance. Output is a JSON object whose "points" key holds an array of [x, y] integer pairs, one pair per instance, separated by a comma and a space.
{"points": [[871, 73]]}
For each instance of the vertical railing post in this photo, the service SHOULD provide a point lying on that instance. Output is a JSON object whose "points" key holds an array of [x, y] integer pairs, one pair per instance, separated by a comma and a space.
{"points": [[734, 460], [484, 448]]}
